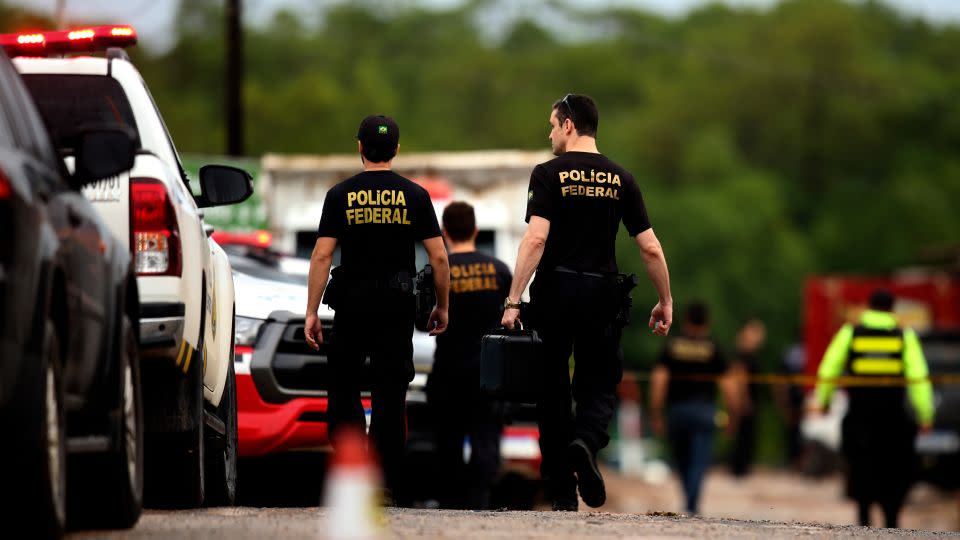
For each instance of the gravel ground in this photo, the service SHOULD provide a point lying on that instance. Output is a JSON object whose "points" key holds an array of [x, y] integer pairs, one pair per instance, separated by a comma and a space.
{"points": [[767, 504], [242, 523]]}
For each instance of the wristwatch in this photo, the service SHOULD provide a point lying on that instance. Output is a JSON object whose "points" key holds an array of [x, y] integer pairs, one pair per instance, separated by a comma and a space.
{"points": [[507, 304]]}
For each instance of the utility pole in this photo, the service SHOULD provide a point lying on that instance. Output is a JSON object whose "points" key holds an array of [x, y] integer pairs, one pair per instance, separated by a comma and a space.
{"points": [[234, 82], [61, 14]]}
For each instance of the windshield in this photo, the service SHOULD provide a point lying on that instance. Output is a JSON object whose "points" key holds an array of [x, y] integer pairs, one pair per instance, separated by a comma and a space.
{"points": [[72, 103]]}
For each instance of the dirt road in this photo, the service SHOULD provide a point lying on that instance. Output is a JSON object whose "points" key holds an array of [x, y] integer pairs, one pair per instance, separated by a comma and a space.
{"points": [[765, 505], [243, 523]]}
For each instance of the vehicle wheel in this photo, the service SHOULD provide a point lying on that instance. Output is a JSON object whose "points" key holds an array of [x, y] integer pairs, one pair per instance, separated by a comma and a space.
{"points": [[106, 490], [36, 493], [222, 456], [175, 472]]}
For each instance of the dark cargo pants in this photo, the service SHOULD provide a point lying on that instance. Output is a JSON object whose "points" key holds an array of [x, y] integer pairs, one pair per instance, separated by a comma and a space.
{"points": [[574, 314]]}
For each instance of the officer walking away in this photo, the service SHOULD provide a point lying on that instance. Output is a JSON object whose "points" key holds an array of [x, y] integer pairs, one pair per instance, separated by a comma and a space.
{"points": [[575, 205], [684, 383], [376, 217], [878, 433], [478, 285]]}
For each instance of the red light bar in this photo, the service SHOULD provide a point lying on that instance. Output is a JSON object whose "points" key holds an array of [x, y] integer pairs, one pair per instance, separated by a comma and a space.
{"points": [[30, 39], [78, 40]]}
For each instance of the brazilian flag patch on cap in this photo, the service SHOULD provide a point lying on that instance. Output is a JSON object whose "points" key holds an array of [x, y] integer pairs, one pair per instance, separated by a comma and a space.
{"points": [[382, 130]]}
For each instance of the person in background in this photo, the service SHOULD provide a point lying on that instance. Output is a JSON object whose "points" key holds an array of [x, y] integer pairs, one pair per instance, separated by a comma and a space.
{"points": [[790, 398], [750, 340], [478, 285], [683, 395], [878, 432]]}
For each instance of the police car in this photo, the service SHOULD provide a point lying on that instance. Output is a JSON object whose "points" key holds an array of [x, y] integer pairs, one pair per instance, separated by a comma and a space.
{"points": [[185, 281]]}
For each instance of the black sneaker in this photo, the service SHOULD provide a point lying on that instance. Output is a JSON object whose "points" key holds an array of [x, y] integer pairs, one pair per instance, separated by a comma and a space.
{"points": [[566, 505], [581, 458]]}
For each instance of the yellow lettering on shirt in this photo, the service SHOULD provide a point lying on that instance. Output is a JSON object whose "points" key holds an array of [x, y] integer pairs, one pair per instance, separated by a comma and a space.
{"points": [[691, 350], [376, 206], [474, 277], [582, 178]]}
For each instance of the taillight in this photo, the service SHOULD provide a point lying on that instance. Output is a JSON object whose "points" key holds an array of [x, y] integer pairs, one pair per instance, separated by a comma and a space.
{"points": [[4, 186], [154, 236]]}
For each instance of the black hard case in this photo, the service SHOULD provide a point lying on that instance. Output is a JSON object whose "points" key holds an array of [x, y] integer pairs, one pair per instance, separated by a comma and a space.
{"points": [[510, 365]]}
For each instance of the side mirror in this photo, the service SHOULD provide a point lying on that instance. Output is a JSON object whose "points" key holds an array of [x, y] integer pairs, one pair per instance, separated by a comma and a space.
{"points": [[221, 185], [102, 153]]}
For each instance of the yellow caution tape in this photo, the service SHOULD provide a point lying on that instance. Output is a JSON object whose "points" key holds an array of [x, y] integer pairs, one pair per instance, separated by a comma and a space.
{"points": [[812, 380]]}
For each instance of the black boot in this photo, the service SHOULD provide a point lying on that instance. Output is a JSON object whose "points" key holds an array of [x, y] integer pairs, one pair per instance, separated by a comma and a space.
{"points": [[584, 463]]}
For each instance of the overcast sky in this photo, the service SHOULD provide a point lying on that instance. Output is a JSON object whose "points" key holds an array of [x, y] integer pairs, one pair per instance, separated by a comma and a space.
{"points": [[154, 19]]}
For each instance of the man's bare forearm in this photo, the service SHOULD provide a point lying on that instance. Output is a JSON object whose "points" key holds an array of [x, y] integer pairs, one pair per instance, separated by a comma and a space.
{"points": [[527, 260], [441, 278], [656, 264]]}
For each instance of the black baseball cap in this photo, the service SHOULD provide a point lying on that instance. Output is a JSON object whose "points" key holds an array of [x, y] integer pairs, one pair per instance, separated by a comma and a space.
{"points": [[379, 131]]}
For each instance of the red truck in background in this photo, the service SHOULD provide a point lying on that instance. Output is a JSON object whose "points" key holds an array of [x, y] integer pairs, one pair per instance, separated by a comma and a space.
{"points": [[928, 302]]}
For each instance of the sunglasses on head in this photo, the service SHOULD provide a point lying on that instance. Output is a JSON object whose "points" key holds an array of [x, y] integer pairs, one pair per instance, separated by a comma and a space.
{"points": [[566, 101]]}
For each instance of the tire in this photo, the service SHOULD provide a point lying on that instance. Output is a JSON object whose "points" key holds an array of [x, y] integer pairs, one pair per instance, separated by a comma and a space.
{"points": [[222, 456], [106, 490], [175, 471], [36, 495]]}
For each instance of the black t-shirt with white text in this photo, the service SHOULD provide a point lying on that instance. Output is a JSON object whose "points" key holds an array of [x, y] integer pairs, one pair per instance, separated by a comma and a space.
{"points": [[478, 285], [377, 218], [584, 196]]}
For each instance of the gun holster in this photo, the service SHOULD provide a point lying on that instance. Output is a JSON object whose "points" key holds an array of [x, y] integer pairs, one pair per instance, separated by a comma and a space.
{"points": [[333, 294], [426, 298], [625, 284]]}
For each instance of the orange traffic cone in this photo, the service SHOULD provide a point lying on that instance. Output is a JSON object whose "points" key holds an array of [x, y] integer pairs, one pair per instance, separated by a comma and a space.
{"points": [[352, 493]]}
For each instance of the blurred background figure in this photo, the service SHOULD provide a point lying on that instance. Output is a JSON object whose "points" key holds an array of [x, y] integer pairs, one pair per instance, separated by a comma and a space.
{"points": [[478, 285], [749, 342], [878, 433], [789, 400], [629, 427], [683, 398]]}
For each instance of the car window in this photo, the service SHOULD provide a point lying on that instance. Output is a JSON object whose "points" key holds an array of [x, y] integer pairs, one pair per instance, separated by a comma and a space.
{"points": [[71, 103]]}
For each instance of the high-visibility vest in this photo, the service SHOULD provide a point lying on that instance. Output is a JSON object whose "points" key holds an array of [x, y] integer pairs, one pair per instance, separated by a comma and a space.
{"points": [[876, 352]]}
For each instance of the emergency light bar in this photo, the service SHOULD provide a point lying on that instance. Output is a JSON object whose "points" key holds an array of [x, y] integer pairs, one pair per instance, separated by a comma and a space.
{"points": [[79, 40]]}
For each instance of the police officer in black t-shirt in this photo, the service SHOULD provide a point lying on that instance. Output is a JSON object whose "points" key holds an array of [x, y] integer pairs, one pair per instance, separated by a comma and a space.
{"points": [[575, 205], [683, 395], [478, 285], [376, 217]]}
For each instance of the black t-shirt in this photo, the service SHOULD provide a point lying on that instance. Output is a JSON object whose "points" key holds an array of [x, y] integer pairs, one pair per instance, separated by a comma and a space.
{"points": [[377, 218], [684, 356], [478, 285], [585, 196]]}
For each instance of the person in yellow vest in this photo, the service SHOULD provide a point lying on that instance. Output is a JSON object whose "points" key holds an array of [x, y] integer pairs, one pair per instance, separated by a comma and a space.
{"points": [[878, 431]]}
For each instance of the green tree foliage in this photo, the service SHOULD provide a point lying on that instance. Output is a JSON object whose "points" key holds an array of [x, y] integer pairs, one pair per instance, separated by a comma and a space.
{"points": [[816, 136]]}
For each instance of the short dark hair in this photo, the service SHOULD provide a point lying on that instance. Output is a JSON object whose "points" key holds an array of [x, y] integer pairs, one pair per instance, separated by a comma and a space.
{"points": [[697, 314], [581, 110], [379, 136], [460, 221], [881, 300]]}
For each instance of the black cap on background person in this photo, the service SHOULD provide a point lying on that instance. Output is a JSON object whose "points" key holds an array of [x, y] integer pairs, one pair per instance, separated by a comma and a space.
{"points": [[379, 137]]}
